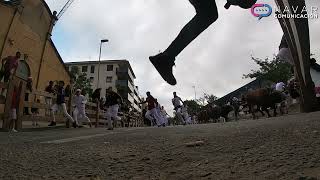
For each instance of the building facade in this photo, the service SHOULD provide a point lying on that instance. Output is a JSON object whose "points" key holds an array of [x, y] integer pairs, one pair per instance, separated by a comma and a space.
{"points": [[26, 26], [117, 74]]}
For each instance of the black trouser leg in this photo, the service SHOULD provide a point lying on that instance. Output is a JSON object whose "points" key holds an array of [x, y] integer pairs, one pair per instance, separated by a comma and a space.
{"points": [[206, 14]]}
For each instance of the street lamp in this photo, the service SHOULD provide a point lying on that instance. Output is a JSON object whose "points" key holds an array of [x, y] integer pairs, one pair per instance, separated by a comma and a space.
{"points": [[195, 93], [102, 41]]}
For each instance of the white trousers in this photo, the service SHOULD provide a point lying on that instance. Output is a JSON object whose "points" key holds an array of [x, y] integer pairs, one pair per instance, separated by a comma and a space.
{"points": [[112, 115], [179, 115], [154, 114], [62, 107], [80, 112], [48, 102]]}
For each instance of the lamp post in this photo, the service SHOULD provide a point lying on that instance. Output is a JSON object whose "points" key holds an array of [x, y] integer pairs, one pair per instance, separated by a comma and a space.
{"points": [[102, 41], [195, 93]]}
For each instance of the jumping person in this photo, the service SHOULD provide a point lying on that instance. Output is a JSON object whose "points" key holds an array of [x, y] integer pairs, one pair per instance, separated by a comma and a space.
{"points": [[61, 105], [113, 100], [206, 14], [177, 104], [152, 112], [79, 102]]}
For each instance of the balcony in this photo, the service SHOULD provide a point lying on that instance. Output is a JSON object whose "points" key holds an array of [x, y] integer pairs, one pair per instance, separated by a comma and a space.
{"points": [[125, 84]]}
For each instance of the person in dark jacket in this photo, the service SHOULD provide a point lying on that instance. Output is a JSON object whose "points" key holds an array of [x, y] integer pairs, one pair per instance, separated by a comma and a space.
{"points": [[48, 100], [61, 105], [113, 100]]}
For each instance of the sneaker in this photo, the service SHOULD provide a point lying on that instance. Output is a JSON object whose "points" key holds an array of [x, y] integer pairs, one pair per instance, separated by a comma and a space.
{"points": [[74, 124], [163, 63], [13, 130], [52, 123], [110, 128]]}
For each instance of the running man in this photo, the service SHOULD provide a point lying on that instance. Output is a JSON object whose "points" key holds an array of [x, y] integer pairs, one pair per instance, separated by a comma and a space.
{"points": [[61, 105], [113, 100], [206, 14], [178, 104], [79, 102], [152, 112]]}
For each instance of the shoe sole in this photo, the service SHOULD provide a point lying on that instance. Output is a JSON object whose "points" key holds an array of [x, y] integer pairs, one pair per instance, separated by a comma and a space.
{"points": [[162, 75]]}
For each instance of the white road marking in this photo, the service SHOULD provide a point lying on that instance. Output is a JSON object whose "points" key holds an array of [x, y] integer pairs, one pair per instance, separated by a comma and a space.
{"points": [[59, 141]]}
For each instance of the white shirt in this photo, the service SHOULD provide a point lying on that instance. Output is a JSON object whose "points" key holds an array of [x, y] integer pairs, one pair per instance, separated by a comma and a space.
{"points": [[79, 101], [176, 101], [280, 86]]}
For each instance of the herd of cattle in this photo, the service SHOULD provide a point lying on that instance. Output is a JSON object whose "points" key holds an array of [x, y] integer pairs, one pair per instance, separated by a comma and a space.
{"points": [[257, 100]]}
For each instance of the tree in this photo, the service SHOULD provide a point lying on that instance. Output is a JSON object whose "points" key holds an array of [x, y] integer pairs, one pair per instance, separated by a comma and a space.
{"points": [[210, 98], [193, 106], [80, 80], [273, 70]]}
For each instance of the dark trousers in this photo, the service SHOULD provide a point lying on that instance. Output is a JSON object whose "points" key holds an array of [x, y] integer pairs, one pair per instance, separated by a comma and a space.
{"points": [[206, 14]]}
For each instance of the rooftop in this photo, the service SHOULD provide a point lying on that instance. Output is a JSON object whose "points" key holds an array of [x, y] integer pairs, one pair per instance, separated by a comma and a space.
{"points": [[124, 61]]}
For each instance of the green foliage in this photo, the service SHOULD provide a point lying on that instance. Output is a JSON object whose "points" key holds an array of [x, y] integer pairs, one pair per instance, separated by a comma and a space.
{"points": [[193, 106], [273, 70], [80, 80], [210, 98]]}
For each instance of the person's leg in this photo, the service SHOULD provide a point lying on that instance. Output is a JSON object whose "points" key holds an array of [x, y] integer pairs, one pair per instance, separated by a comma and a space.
{"points": [[65, 112], [109, 117], [115, 109], [149, 117], [156, 115], [179, 115], [83, 114], [76, 113], [54, 109], [206, 14]]}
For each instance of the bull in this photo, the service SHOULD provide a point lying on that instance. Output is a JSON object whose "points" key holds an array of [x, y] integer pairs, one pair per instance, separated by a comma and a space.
{"points": [[263, 99], [214, 112]]}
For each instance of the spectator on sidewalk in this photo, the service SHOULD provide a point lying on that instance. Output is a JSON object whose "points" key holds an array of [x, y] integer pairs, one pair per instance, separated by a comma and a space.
{"points": [[9, 67], [35, 115], [14, 107], [48, 100], [26, 97], [61, 105], [79, 103]]}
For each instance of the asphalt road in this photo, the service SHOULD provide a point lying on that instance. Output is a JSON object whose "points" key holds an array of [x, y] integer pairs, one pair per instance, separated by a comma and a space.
{"points": [[276, 148]]}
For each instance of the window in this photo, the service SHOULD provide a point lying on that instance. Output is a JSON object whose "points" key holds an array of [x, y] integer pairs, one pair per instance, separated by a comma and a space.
{"points": [[109, 67], [109, 79], [91, 79], [92, 69], [84, 68]]}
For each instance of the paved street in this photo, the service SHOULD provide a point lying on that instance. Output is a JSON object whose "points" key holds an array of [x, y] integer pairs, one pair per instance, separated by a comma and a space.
{"points": [[275, 148]]}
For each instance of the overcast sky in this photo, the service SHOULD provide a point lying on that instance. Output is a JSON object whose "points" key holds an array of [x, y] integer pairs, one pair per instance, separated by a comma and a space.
{"points": [[136, 29]]}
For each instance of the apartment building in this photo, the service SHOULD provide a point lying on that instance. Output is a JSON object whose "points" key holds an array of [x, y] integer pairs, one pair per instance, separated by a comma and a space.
{"points": [[117, 74]]}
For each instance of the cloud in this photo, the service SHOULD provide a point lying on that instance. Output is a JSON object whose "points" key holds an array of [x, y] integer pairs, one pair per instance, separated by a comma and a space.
{"points": [[214, 62]]}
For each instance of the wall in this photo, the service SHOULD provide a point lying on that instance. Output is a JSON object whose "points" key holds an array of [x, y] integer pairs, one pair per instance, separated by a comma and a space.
{"points": [[28, 34], [6, 15]]}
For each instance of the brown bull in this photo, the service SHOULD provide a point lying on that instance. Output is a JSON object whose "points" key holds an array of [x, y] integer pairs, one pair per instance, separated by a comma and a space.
{"points": [[263, 99]]}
